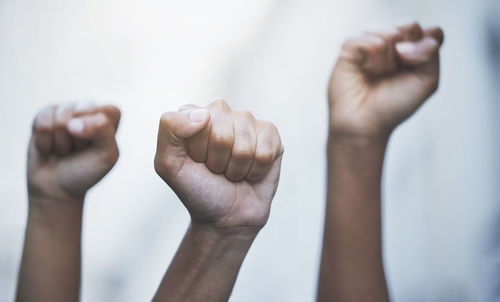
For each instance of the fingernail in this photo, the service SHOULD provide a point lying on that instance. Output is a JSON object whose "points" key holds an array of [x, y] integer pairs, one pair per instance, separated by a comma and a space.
{"points": [[405, 47], [198, 115], [76, 125]]}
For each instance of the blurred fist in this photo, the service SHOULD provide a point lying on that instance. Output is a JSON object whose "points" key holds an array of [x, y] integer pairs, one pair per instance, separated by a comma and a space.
{"points": [[223, 164], [381, 78], [72, 147]]}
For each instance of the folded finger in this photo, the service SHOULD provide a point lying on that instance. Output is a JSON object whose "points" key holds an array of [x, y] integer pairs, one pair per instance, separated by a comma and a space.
{"points": [[62, 139], [43, 130], [245, 139]]}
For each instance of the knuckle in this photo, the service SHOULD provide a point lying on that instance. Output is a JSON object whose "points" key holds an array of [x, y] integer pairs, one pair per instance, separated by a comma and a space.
{"points": [[377, 44], [365, 43], [270, 129], [234, 176], [350, 44], [264, 156], [111, 156], [414, 24], [243, 153], [414, 29], [42, 126], [245, 134], [391, 31], [222, 139], [269, 143], [117, 111], [59, 123], [235, 173], [217, 166], [85, 106], [46, 111], [166, 120], [408, 25], [62, 114], [244, 114], [43, 121], [101, 121], [391, 35], [165, 117], [220, 103]]}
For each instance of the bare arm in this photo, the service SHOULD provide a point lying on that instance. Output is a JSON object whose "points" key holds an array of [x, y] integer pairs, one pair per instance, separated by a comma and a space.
{"points": [[205, 266], [50, 269], [71, 149], [380, 79], [351, 268], [224, 165]]}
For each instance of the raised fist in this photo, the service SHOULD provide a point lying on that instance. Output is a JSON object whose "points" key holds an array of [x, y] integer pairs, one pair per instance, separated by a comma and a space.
{"points": [[223, 164], [381, 78], [72, 147]]}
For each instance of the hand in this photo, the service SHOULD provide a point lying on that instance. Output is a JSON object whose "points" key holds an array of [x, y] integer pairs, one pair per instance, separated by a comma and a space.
{"points": [[381, 78], [223, 164], [71, 149]]}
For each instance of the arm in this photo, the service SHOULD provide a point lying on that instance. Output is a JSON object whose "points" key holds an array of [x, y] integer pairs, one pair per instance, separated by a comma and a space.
{"points": [[380, 79], [206, 265], [351, 268], [71, 149], [224, 165]]}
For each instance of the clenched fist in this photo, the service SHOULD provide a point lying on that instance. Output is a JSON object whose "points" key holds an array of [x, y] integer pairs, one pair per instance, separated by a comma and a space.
{"points": [[382, 77], [223, 164], [72, 147]]}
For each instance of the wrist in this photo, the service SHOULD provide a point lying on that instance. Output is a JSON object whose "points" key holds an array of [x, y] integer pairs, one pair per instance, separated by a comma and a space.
{"points": [[358, 141], [361, 127], [358, 138], [215, 233], [49, 212], [357, 150], [206, 264], [227, 243], [50, 194], [216, 246]]}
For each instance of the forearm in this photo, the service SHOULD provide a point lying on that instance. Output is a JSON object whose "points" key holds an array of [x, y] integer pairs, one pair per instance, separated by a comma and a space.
{"points": [[50, 267], [206, 265], [351, 266]]}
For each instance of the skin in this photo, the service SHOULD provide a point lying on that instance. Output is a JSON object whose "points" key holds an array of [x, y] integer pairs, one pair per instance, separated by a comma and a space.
{"points": [[224, 165], [380, 79], [72, 147]]}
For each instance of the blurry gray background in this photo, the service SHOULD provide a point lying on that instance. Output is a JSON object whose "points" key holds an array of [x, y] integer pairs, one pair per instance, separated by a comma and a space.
{"points": [[442, 191]]}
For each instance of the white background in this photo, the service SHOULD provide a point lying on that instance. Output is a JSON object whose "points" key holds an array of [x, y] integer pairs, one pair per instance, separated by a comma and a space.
{"points": [[272, 57]]}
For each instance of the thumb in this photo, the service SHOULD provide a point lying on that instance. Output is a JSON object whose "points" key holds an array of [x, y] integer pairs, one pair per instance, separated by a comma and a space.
{"points": [[175, 127], [94, 127], [417, 53]]}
